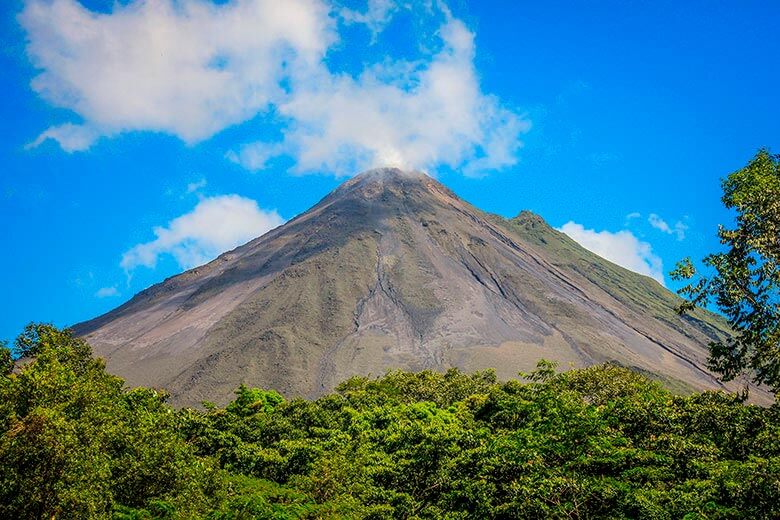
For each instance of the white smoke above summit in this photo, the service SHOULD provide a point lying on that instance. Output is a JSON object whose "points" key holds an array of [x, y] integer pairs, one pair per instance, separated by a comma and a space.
{"points": [[192, 68]]}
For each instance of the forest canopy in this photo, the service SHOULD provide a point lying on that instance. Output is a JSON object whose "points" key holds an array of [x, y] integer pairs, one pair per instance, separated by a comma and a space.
{"points": [[598, 442]]}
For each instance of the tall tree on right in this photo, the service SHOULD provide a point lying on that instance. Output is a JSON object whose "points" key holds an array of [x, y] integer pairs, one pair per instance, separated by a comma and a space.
{"points": [[743, 280]]}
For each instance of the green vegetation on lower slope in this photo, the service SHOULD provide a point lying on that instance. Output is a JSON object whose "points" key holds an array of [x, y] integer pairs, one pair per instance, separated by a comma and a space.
{"points": [[602, 442], [639, 292]]}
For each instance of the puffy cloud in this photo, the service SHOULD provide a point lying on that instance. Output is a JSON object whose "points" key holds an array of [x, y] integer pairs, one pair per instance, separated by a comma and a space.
{"points": [[107, 292], [215, 225], [660, 224], [187, 67], [192, 68], [622, 248], [402, 114]]}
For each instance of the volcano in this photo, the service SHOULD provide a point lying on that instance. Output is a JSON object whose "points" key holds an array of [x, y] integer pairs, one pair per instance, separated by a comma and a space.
{"points": [[392, 270]]}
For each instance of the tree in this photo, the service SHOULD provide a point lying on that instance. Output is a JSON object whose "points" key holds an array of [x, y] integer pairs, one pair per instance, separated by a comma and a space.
{"points": [[745, 280], [75, 444], [6, 359]]}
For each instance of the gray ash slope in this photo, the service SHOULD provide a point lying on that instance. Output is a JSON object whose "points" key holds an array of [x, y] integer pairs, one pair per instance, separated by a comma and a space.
{"points": [[393, 270]]}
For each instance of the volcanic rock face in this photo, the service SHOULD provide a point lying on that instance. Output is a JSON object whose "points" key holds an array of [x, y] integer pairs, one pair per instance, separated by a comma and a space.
{"points": [[393, 270]]}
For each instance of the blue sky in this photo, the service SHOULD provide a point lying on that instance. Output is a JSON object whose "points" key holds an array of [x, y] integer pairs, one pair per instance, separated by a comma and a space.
{"points": [[210, 123]]}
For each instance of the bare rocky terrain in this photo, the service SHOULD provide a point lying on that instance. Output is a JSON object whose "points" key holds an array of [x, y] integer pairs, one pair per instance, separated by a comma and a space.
{"points": [[393, 270]]}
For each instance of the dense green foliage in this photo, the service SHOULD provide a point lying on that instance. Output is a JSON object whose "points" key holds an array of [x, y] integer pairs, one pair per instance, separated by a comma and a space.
{"points": [[745, 284], [602, 442], [74, 443]]}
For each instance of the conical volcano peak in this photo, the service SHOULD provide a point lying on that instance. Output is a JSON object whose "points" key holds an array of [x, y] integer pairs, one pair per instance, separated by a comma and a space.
{"points": [[379, 182], [388, 175], [393, 270]]}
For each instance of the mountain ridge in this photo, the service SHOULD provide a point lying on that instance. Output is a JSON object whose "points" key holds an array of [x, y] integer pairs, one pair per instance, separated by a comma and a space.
{"points": [[393, 270]]}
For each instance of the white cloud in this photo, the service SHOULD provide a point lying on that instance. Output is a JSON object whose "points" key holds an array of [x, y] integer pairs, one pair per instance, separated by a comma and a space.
{"points": [[192, 68], [680, 229], [254, 156], [107, 292], [398, 114], [622, 248], [633, 215], [71, 138], [660, 224], [187, 67], [192, 187], [376, 16], [215, 225]]}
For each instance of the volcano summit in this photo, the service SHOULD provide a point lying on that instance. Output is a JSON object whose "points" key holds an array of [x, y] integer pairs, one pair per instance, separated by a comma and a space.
{"points": [[393, 270]]}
